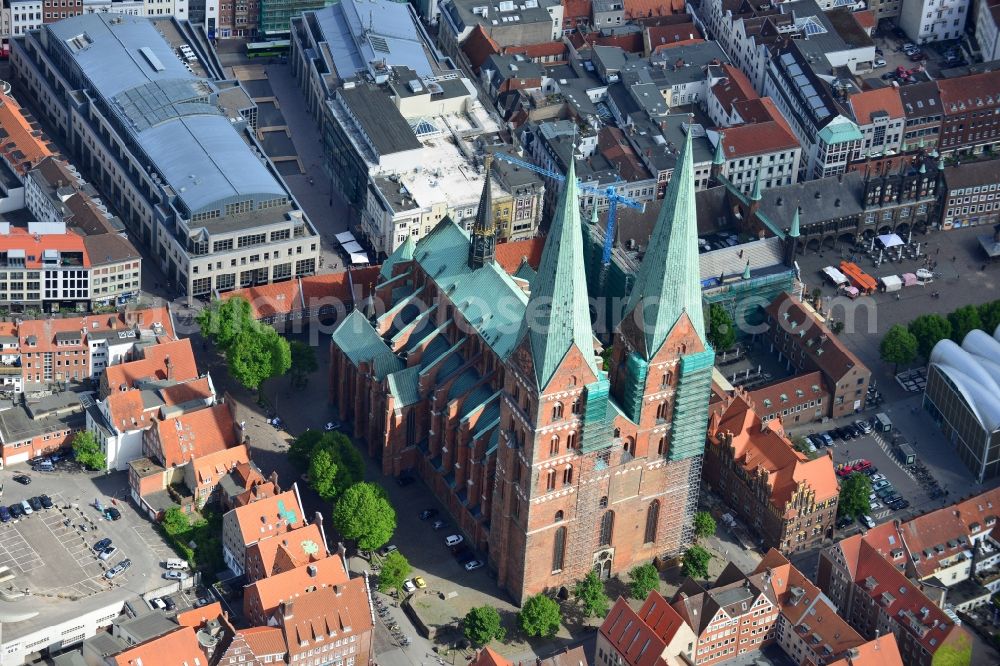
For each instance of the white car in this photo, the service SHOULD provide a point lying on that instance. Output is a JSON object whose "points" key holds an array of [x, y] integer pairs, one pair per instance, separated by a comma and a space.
{"points": [[174, 575], [409, 587], [878, 476], [473, 565], [453, 540], [108, 553], [868, 522]]}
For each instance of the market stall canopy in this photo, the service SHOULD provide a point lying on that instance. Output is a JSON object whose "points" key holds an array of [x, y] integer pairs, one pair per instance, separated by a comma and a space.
{"points": [[358, 258], [353, 248], [346, 237], [890, 240]]}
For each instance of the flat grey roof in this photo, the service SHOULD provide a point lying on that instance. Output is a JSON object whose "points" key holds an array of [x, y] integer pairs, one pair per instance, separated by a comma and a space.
{"points": [[17, 424], [380, 119], [168, 110]]}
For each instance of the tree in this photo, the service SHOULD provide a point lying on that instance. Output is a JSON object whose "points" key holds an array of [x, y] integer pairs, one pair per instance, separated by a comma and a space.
{"points": [[704, 525], [854, 493], [539, 617], [989, 315], [643, 579], [721, 330], [482, 625], [256, 354], [175, 521], [694, 564], [303, 362], [224, 320], [88, 451], [964, 320], [898, 347], [590, 591], [302, 448], [363, 514], [929, 329], [323, 473], [395, 570]]}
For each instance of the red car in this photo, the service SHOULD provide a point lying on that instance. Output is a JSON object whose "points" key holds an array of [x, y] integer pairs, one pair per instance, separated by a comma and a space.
{"points": [[917, 56]]}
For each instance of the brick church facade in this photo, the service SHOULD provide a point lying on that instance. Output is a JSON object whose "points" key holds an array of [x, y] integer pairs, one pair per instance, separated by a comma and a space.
{"points": [[490, 387]]}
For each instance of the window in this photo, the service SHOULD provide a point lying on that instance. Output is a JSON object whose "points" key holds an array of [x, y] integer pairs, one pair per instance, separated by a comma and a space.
{"points": [[661, 446], [559, 549], [661, 411], [652, 518], [559, 516], [568, 475], [607, 528], [557, 411], [665, 381], [554, 446], [571, 441], [604, 502]]}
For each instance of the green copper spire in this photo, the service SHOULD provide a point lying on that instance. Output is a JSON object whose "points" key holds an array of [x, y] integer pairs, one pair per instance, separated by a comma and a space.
{"points": [[482, 244], [756, 195], [669, 281], [794, 230], [746, 271], [941, 164], [558, 313], [720, 157]]}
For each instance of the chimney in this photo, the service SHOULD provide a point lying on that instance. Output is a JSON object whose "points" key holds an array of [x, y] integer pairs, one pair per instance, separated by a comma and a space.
{"points": [[286, 610], [312, 571], [170, 367], [338, 590]]}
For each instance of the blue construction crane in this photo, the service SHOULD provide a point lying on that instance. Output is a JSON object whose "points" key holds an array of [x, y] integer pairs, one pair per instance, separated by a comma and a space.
{"points": [[614, 198]]}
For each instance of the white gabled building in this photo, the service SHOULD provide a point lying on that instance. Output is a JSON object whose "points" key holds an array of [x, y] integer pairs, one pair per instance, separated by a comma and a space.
{"points": [[926, 21]]}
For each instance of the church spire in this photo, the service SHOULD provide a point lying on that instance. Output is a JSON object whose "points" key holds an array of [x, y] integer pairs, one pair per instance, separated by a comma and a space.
{"points": [[558, 314], [756, 195], [794, 231], [483, 242], [669, 281]]}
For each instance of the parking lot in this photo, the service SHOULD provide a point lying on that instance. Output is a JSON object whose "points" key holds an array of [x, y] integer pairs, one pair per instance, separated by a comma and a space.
{"points": [[51, 551]]}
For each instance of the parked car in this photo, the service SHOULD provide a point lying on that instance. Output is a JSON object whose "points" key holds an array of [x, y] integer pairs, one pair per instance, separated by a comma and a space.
{"points": [[46, 501], [108, 553], [816, 441], [867, 521], [27, 508], [832, 434], [112, 513], [472, 565], [427, 514], [119, 568], [386, 549], [4, 514], [880, 484], [453, 540], [874, 505], [844, 521], [157, 603], [331, 426], [917, 56], [419, 582], [863, 426], [439, 524], [827, 438], [16, 510], [409, 587], [35, 503], [175, 575], [169, 603], [23, 479], [878, 63], [878, 477], [101, 545], [899, 505], [889, 76]]}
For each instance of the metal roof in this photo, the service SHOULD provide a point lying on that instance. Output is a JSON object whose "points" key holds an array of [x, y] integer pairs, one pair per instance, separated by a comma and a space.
{"points": [[361, 31], [167, 109], [975, 373]]}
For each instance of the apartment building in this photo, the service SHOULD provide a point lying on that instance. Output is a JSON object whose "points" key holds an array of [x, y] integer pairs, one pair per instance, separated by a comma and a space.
{"points": [[926, 21], [188, 179], [923, 111], [971, 195], [880, 118], [655, 631], [970, 105], [988, 29], [761, 150], [789, 500], [508, 23], [804, 343], [244, 526]]}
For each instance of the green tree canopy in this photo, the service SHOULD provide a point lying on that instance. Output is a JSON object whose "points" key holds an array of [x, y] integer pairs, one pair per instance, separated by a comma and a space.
{"points": [[989, 315], [590, 591], [964, 320], [257, 354], [223, 321], [704, 525], [304, 363], [898, 347], [363, 514], [175, 521], [301, 449], [88, 451], [721, 330], [482, 625], [929, 329], [854, 493], [395, 570], [334, 465], [694, 564], [643, 579], [539, 617]]}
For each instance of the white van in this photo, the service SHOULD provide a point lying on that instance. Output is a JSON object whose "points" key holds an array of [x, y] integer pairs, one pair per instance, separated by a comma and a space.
{"points": [[176, 563]]}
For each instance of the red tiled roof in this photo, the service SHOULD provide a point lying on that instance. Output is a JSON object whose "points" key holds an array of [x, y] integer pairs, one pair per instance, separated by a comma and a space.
{"points": [[836, 360], [293, 585], [734, 88], [274, 554], [644, 8], [866, 19], [154, 366], [478, 47], [196, 434], [338, 285], [613, 145], [542, 50], [267, 300], [273, 515], [284, 298], [34, 245], [196, 617], [631, 637], [178, 394], [127, 411], [510, 255], [23, 146], [810, 383], [44, 330], [869, 102], [665, 36], [883, 651], [264, 641], [488, 656], [326, 615], [756, 447], [210, 467], [968, 90], [182, 646]]}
